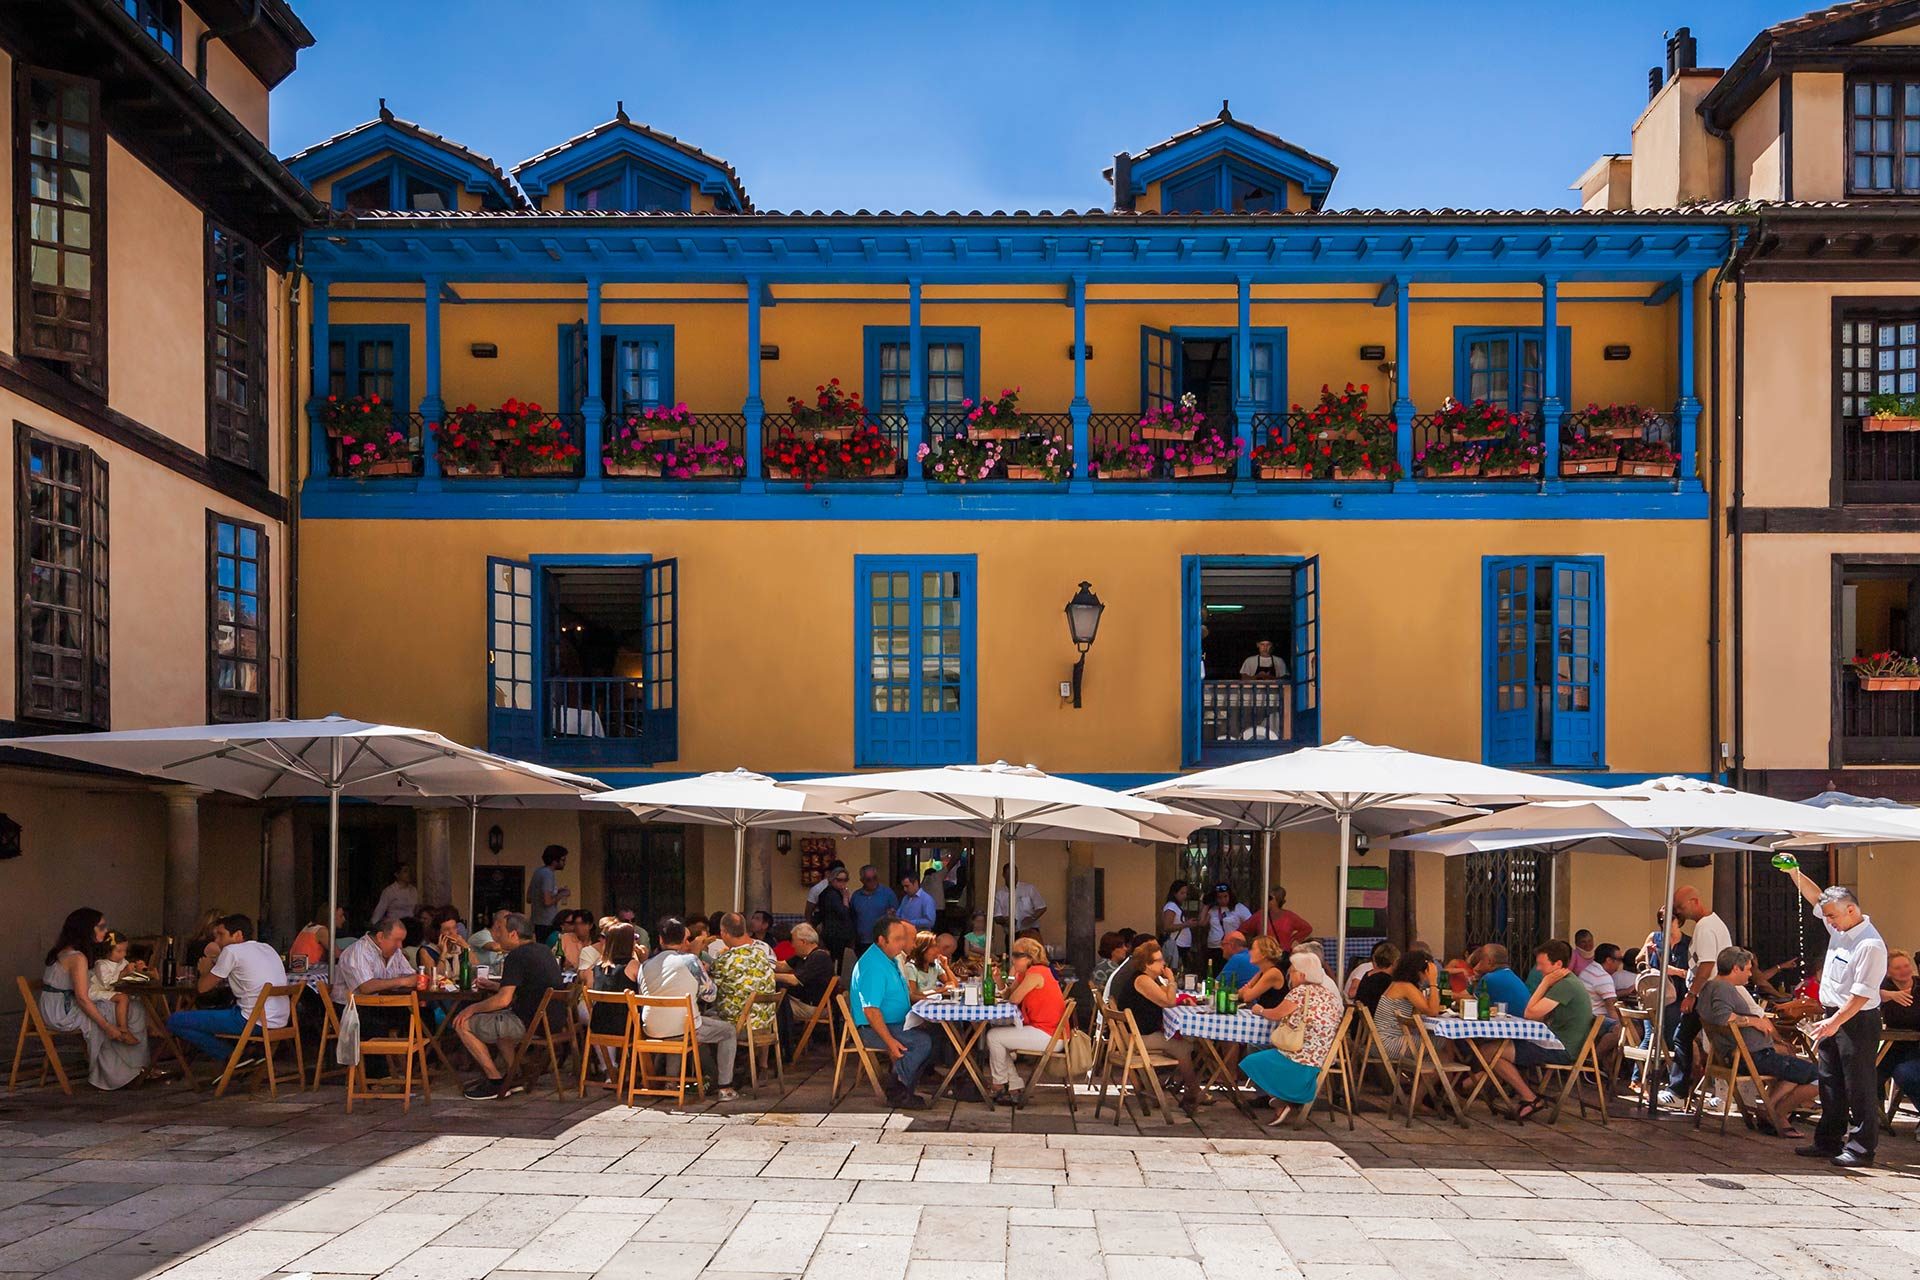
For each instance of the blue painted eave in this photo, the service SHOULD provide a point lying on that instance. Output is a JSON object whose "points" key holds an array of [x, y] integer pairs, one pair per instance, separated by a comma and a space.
{"points": [[338, 157], [1314, 176], [539, 175]]}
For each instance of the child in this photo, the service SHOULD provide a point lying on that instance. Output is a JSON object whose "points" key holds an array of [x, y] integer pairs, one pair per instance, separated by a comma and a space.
{"points": [[106, 972], [976, 941], [139, 961]]}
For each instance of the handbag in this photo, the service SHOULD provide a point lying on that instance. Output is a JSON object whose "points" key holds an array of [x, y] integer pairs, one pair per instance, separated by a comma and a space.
{"points": [[1079, 1054], [346, 1049], [1289, 1035]]}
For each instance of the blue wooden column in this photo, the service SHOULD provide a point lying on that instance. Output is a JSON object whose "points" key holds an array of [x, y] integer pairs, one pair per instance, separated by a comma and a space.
{"points": [[432, 405], [1080, 412], [1402, 373], [1243, 381], [322, 382], [755, 409], [593, 410], [1550, 407], [915, 409], [1686, 409]]}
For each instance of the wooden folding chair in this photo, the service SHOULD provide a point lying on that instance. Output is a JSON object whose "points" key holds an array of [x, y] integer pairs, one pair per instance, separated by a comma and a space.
{"points": [[1135, 1058], [1337, 1065], [852, 1046], [411, 1048], [32, 1023], [1426, 1059], [616, 1047], [1054, 1054], [256, 1031], [822, 1012], [1373, 1051], [1633, 1050], [1727, 1069], [329, 1030], [541, 1030], [1585, 1066], [755, 1039], [641, 1079]]}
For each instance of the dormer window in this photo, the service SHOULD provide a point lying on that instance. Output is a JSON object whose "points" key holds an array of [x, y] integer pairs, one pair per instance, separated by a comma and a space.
{"points": [[395, 186], [1883, 129], [627, 186], [1223, 187]]}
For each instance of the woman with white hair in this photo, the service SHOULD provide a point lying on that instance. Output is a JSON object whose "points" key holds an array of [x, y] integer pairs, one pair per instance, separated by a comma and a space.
{"points": [[1306, 1020]]}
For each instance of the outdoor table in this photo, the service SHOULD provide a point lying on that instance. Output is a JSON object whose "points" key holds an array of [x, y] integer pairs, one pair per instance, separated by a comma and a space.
{"points": [[1197, 1022], [1890, 1037], [950, 1015], [1476, 1030]]}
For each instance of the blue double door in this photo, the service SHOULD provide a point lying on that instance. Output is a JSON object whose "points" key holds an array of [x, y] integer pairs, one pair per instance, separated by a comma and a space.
{"points": [[1174, 362], [1545, 649]]}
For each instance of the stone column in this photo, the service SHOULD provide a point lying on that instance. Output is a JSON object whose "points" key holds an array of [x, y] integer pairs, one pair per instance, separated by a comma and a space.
{"points": [[433, 834], [181, 910], [283, 906], [1082, 928], [760, 856]]}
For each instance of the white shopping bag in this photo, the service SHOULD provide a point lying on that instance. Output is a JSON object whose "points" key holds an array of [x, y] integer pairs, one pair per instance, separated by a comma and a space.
{"points": [[346, 1050]]}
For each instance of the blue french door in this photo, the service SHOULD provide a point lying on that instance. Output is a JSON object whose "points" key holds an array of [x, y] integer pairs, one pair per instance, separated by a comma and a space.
{"points": [[1503, 367], [1306, 650], [636, 367], [1543, 685], [513, 721], [914, 678], [1164, 376], [1159, 369], [660, 660]]}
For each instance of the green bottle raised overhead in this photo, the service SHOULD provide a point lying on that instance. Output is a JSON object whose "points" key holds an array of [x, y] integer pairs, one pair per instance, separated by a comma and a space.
{"points": [[1784, 861]]}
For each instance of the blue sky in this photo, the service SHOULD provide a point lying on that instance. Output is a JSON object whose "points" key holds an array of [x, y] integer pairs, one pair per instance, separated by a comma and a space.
{"points": [[973, 104]]}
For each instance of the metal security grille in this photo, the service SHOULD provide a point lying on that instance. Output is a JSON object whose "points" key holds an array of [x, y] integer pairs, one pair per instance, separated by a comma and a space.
{"points": [[1510, 901], [1781, 923], [1222, 857]]}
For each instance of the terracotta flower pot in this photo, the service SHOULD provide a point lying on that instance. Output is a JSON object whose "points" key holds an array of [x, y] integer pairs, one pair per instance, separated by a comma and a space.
{"points": [[1338, 433], [651, 434], [1365, 474], [1589, 466], [1890, 684], [1266, 472], [1015, 472], [492, 468], [389, 467], [1890, 424], [1504, 473], [1126, 473], [1164, 433], [777, 472], [1465, 471], [1200, 470], [832, 433], [1642, 467], [1472, 437], [976, 431], [631, 469], [543, 468]]}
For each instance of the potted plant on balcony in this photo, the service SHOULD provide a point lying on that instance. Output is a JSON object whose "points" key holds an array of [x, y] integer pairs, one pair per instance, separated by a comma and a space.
{"points": [[1511, 456], [1130, 459], [1892, 413], [834, 414], [464, 437], [533, 442], [368, 443], [1340, 415], [1209, 454], [998, 419], [960, 460], [670, 458], [1648, 458], [1369, 458], [659, 423], [1450, 460], [1280, 459], [791, 457], [1617, 421], [1588, 456], [1887, 673], [862, 455], [1043, 459], [1178, 421], [1478, 420]]}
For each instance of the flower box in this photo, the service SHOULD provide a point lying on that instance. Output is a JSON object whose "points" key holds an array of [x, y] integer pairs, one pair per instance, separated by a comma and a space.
{"points": [[1198, 470], [831, 433], [1029, 473], [1890, 423], [1644, 467], [1284, 473], [388, 467], [492, 468], [1163, 433], [1126, 473], [543, 468], [976, 431], [1468, 469], [1339, 433], [1615, 431], [782, 473], [1589, 466], [1505, 473], [1890, 684], [1473, 436], [1365, 473], [653, 434], [653, 470]]}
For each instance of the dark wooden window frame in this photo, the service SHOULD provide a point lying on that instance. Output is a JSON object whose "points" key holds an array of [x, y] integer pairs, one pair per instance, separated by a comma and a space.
{"points": [[1840, 563], [1898, 156], [91, 374], [95, 623], [1855, 309], [263, 651], [236, 433]]}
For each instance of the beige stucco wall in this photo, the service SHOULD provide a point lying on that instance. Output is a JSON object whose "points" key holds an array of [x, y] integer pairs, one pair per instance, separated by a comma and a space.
{"points": [[227, 78], [1819, 137], [1758, 150], [156, 302], [1674, 161]]}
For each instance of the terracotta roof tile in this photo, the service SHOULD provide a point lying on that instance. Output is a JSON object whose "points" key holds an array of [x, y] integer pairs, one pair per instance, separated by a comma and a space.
{"points": [[427, 136], [621, 121]]}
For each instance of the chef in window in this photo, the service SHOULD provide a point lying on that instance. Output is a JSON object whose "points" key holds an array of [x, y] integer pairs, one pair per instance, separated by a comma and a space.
{"points": [[1265, 664]]}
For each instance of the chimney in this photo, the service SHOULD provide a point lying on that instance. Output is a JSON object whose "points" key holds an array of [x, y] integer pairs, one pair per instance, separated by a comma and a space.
{"points": [[1683, 51], [1654, 80], [1123, 182]]}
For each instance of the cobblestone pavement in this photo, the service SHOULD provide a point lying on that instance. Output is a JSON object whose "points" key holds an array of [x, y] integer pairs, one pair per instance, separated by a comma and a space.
{"points": [[166, 1182]]}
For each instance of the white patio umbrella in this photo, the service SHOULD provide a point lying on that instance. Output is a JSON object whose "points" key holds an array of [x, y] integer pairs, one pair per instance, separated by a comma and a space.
{"points": [[1397, 789], [332, 756], [740, 799], [1678, 810], [1010, 801]]}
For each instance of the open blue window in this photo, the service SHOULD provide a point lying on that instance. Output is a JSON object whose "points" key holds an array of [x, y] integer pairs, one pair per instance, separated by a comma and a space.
{"points": [[914, 676], [369, 360], [636, 367], [582, 660], [1201, 361], [1250, 662], [1503, 366], [1543, 683]]}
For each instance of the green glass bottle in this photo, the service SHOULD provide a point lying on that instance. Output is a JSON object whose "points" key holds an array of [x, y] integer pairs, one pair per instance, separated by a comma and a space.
{"points": [[986, 983], [466, 969], [1784, 861]]}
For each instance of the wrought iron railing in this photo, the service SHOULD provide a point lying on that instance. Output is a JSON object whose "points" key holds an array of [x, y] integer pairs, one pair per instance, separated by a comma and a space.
{"points": [[712, 446], [1649, 426], [401, 461], [1878, 466], [595, 706], [1110, 432], [1245, 712], [947, 429], [1439, 453], [859, 462]]}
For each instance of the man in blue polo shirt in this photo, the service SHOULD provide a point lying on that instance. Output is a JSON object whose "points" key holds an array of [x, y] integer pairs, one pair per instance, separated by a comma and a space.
{"points": [[879, 999], [1239, 969], [1493, 966], [868, 903]]}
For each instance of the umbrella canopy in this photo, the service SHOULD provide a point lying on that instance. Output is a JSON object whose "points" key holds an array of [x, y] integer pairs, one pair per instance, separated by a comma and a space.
{"points": [[1398, 789], [1647, 845], [332, 756], [1010, 801], [1878, 807], [740, 799]]}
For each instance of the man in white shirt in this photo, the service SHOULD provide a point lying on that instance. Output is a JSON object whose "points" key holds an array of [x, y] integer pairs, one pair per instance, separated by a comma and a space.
{"points": [[1710, 937], [1264, 664], [1028, 905], [674, 971], [1848, 1038], [248, 968], [401, 898], [1602, 964], [375, 965]]}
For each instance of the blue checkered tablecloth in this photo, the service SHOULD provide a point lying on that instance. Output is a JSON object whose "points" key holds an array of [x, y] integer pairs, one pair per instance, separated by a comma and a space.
{"points": [[1508, 1028], [1233, 1028], [955, 1011]]}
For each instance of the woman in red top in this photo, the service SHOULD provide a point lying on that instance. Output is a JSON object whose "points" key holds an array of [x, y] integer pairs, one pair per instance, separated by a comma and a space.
{"points": [[1037, 992], [1288, 928]]}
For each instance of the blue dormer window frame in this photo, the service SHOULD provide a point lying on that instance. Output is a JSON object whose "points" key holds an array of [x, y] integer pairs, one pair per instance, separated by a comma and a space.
{"points": [[398, 174], [1215, 185], [637, 187]]}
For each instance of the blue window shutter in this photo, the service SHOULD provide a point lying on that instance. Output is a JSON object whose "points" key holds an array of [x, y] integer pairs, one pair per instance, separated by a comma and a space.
{"points": [[1159, 386], [573, 366], [1269, 375], [1507, 680], [1579, 636], [512, 666], [1306, 651], [1193, 665], [914, 660], [660, 657]]}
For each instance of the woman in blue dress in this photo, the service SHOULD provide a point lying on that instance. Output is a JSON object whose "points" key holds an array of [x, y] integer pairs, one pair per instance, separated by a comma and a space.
{"points": [[1291, 1078]]}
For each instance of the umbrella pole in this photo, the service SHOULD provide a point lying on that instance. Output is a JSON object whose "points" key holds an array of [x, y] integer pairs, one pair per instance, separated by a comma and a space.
{"points": [[333, 855], [739, 865], [1013, 896], [473, 834], [1657, 1052], [1266, 879], [993, 882], [1340, 900]]}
